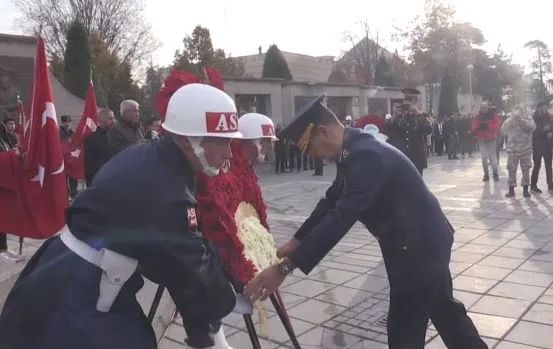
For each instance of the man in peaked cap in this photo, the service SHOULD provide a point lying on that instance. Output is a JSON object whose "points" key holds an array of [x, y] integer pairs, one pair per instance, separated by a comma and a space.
{"points": [[377, 185]]}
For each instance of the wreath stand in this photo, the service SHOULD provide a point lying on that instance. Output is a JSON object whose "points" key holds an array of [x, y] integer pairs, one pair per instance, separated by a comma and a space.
{"points": [[278, 304]]}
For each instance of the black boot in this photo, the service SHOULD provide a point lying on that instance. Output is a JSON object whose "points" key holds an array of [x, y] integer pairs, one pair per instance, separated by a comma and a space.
{"points": [[535, 189], [486, 177], [510, 193], [525, 191], [495, 177]]}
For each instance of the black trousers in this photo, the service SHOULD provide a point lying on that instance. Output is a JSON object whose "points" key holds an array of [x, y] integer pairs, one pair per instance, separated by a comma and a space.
{"points": [[318, 167], [3, 241], [200, 332], [410, 311], [280, 163], [547, 156], [439, 146], [72, 185]]}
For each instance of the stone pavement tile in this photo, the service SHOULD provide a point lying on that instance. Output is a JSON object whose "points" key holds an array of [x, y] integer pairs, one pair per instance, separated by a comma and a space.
{"points": [[241, 339], [458, 267], [277, 333], [514, 252], [490, 240], [472, 284], [344, 296], [459, 237], [542, 313], [237, 320], [543, 255], [547, 298], [501, 306], [525, 242], [438, 343], [530, 278], [530, 333], [291, 300], [492, 326], [346, 267], [356, 262], [487, 272], [308, 288], [334, 276], [368, 344], [518, 291], [515, 225], [511, 345], [166, 343], [323, 338], [315, 311], [368, 283], [537, 266], [467, 298], [502, 262], [465, 257], [379, 271]]}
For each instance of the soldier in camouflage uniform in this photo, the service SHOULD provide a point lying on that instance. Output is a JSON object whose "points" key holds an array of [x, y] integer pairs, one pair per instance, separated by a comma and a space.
{"points": [[518, 129]]}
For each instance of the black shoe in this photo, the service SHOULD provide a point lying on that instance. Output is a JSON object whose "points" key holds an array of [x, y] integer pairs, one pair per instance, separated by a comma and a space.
{"points": [[535, 189], [495, 177], [525, 192], [486, 178], [510, 193], [550, 189]]}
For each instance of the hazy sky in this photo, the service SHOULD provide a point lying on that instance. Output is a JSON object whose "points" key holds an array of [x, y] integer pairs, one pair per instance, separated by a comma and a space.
{"points": [[316, 27]]}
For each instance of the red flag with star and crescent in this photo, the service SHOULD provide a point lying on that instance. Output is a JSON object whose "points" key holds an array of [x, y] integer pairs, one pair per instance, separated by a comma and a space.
{"points": [[36, 192], [74, 156]]}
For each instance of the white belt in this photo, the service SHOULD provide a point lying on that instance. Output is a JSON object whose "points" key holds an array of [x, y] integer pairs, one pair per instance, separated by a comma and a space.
{"points": [[117, 269]]}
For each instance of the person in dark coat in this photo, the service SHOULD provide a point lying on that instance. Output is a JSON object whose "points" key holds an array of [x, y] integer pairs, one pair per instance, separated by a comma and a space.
{"points": [[438, 133], [137, 220], [66, 134], [408, 129], [127, 130], [96, 149], [542, 144], [450, 135], [377, 185]]}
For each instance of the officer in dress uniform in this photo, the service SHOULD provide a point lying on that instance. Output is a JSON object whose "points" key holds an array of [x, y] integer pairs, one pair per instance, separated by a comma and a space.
{"points": [[377, 185], [136, 220], [407, 130]]}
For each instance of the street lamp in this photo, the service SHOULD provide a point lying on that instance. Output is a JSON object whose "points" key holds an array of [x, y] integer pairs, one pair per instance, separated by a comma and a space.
{"points": [[470, 67]]}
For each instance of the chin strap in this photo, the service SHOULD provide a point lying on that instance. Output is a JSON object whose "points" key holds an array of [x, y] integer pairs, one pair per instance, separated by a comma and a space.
{"points": [[200, 154], [260, 154]]}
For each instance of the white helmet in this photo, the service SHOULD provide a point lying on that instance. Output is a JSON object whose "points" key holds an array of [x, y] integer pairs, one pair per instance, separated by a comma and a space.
{"points": [[256, 126], [348, 118], [197, 111]]}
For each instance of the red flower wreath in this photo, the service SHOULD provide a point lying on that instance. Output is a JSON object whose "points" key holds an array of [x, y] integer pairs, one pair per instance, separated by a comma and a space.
{"points": [[219, 197]]}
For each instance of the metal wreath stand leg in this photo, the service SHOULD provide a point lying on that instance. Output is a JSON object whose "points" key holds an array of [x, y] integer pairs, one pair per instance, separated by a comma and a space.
{"points": [[278, 304]]}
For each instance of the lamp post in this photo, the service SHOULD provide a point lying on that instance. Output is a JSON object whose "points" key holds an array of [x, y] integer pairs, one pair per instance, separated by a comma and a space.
{"points": [[470, 67]]}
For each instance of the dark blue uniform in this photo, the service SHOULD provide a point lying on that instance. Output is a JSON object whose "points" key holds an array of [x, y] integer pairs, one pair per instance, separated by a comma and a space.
{"points": [[138, 205], [377, 185]]}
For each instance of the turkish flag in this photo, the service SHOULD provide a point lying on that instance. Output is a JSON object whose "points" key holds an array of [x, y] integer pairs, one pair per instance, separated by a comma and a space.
{"points": [[74, 155], [40, 201]]}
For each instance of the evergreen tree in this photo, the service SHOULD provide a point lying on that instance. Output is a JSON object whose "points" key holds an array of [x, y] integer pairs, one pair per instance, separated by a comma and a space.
{"points": [[275, 65], [448, 96], [383, 72], [77, 59], [152, 85]]}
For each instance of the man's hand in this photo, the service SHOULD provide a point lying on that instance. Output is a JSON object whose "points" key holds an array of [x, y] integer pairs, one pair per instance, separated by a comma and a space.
{"points": [[287, 248], [265, 283]]}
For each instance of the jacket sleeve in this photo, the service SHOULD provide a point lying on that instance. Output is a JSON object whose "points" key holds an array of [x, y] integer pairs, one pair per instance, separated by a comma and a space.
{"points": [[506, 126], [116, 141], [528, 124], [425, 126], [364, 177], [323, 206], [494, 124]]}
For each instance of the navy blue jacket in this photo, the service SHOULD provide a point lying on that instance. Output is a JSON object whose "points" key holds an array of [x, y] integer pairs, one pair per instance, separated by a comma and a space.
{"points": [[138, 205], [377, 185]]}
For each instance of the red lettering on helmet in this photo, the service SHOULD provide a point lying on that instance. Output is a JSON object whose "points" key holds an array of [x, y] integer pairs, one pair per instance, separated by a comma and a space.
{"points": [[221, 122], [268, 130]]}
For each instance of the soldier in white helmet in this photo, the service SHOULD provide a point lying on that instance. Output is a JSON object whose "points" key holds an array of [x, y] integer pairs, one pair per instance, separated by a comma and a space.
{"points": [[136, 220]]}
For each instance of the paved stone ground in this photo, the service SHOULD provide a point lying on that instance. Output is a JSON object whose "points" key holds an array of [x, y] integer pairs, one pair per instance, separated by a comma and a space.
{"points": [[502, 263]]}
